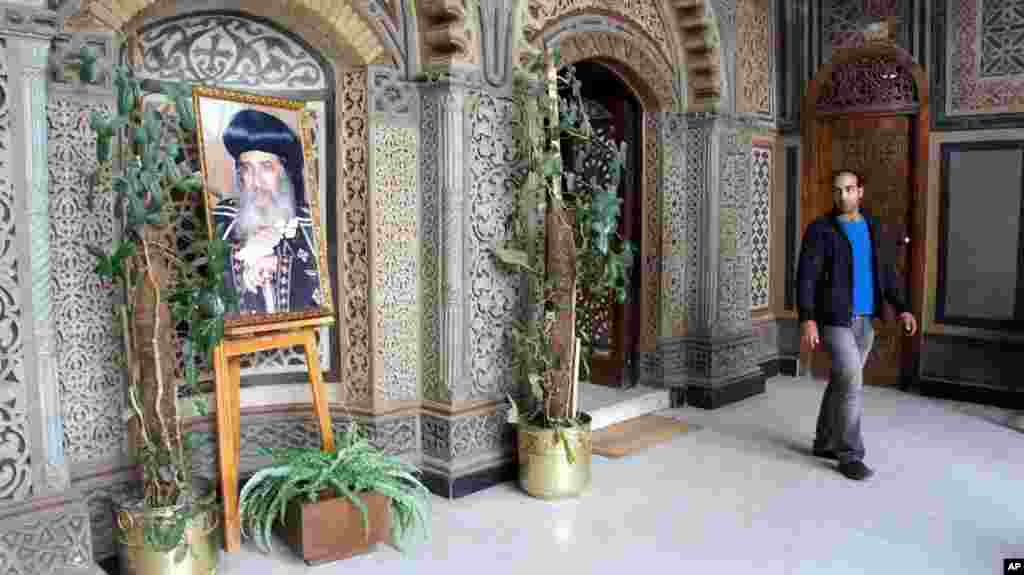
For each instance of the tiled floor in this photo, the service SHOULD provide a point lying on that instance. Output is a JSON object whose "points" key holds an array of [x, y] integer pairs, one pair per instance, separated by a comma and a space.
{"points": [[739, 495]]}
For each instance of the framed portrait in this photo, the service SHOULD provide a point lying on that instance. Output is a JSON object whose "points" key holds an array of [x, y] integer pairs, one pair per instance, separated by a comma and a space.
{"points": [[260, 180]]}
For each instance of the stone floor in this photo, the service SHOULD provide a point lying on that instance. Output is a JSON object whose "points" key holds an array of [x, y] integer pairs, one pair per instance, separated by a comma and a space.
{"points": [[741, 495]]}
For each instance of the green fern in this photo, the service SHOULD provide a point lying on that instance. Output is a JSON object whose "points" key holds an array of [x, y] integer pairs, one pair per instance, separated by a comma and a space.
{"points": [[354, 468]]}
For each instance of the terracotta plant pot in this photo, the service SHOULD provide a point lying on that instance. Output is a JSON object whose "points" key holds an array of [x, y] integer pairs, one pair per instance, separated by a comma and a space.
{"points": [[332, 528]]}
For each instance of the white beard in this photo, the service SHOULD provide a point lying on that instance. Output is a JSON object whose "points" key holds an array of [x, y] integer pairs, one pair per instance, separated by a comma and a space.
{"points": [[281, 211]]}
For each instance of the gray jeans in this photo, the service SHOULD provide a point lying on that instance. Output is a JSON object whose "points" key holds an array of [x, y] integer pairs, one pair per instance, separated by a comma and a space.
{"points": [[839, 418]]}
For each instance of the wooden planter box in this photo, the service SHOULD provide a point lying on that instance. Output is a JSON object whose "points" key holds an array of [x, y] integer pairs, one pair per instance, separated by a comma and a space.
{"points": [[332, 528]]}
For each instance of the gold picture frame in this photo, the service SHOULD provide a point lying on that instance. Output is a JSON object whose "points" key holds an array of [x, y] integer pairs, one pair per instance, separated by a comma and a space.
{"points": [[252, 149]]}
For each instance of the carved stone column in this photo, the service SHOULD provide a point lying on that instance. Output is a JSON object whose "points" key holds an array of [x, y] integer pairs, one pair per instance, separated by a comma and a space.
{"points": [[466, 441], [45, 523], [450, 141], [713, 362]]}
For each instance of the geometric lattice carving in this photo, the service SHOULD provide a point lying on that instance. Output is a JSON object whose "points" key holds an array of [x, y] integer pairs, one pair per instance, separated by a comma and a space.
{"points": [[395, 435], [433, 386], [45, 543], [698, 146], [754, 61], [1002, 39], [846, 21], [495, 295], [650, 245], [760, 237], [675, 247], [395, 209], [353, 229], [985, 55], [451, 438], [15, 470], [92, 394], [733, 305], [843, 24], [228, 51], [868, 83]]}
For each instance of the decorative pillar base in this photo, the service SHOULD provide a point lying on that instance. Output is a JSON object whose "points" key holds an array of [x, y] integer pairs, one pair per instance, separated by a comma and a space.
{"points": [[466, 449], [712, 372], [48, 536]]}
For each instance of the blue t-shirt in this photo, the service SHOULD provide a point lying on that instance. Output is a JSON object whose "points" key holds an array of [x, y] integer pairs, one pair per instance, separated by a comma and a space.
{"points": [[863, 280]]}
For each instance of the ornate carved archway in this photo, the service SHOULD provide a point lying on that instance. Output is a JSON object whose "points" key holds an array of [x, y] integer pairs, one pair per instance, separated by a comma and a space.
{"points": [[341, 30], [879, 79], [634, 62]]}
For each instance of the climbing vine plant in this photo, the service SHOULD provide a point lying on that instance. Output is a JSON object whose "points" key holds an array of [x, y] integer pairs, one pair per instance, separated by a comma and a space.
{"points": [[583, 203]]}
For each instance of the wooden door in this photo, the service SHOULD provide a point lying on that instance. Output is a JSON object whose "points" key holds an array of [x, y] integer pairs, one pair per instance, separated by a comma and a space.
{"points": [[614, 328], [880, 148]]}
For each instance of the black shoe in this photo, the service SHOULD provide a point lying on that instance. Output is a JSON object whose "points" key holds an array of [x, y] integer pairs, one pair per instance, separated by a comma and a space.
{"points": [[855, 470], [825, 453]]}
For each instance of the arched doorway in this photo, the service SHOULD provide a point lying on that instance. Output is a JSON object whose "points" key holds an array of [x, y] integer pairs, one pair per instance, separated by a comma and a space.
{"points": [[616, 115], [867, 110]]}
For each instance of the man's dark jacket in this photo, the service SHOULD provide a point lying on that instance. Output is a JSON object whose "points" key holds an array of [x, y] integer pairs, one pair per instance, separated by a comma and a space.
{"points": [[825, 273]]}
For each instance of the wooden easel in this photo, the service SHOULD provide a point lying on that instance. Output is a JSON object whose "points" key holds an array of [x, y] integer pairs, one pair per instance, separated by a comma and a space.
{"points": [[227, 363]]}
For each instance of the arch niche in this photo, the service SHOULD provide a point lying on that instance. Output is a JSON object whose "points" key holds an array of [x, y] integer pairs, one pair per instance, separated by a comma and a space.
{"points": [[868, 109], [632, 60], [348, 41]]}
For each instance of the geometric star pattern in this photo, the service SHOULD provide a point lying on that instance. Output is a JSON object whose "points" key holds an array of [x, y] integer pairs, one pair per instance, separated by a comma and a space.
{"points": [[1002, 38]]}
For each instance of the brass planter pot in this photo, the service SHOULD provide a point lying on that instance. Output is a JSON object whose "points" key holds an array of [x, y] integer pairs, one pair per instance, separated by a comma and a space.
{"points": [[544, 468], [197, 554]]}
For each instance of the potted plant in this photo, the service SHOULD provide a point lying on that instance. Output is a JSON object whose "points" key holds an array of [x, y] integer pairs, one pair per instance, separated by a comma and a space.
{"points": [[562, 233], [334, 505], [162, 293]]}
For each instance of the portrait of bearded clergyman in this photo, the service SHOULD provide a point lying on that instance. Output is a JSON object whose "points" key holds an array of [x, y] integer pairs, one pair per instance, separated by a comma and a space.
{"points": [[273, 258]]}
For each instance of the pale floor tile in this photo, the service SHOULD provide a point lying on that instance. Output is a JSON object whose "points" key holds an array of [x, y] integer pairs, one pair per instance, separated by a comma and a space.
{"points": [[740, 495]]}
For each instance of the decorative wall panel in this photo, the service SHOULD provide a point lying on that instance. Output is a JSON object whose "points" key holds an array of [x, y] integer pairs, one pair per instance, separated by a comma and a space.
{"points": [[733, 305], [92, 389], [844, 21], [650, 246], [496, 297], [979, 63], [229, 52], [450, 438], [430, 319], [395, 311], [676, 249], [1002, 47], [353, 231], [15, 447], [698, 150], [755, 58], [394, 435], [46, 543], [760, 235]]}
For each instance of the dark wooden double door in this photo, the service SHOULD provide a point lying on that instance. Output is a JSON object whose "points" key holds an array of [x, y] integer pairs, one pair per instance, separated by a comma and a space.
{"points": [[614, 328]]}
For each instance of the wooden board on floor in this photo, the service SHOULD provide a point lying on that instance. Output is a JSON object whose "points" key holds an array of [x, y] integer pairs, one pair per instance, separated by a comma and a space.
{"points": [[637, 434]]}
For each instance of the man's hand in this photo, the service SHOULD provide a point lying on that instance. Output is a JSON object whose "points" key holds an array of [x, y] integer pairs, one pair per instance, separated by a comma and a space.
{"points": [[909, 323], [809, 334]]}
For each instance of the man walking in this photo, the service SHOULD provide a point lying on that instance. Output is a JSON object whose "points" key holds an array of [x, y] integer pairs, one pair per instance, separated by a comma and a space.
{"points": [[841, 285]]}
